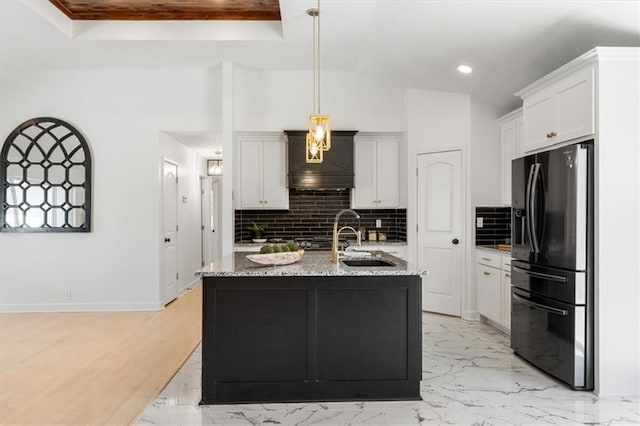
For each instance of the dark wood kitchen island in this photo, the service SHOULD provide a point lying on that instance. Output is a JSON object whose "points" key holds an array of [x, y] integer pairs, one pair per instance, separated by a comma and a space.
{"points": [[310, 331]]}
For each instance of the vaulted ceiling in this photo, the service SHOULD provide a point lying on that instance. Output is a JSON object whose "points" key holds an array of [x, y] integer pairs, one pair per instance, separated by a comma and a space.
{"points": [[406, 43]]}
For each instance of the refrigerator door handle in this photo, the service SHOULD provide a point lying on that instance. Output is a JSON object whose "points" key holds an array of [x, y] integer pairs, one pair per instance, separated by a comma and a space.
{"points": [[540, 306], [528, 207], [542, 275], [532, 207]]}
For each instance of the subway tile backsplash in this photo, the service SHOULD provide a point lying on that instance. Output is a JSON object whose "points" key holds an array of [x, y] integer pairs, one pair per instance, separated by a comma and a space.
{"points": [[496, 227], [311, 214]]}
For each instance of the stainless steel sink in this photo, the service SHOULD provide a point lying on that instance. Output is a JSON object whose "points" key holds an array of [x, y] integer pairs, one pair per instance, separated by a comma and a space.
{"points": [[367, 262]]}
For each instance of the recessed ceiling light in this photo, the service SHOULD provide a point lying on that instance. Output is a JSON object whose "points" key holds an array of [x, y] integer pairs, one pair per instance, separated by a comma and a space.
{"points": [[465, 69]]}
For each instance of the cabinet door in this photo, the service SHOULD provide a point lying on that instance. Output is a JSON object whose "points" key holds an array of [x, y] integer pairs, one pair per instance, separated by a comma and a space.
{"points": [[576, 106], [388, 175], [539, 120], [508, 140], [364, 193], [275, 191], [251, 196], [488, 282], [506, 300]]}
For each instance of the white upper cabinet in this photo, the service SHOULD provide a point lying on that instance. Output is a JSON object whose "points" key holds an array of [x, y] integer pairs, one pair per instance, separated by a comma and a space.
{"points": [[559, 109], [510, 141], [377, 171], [262, 177]]}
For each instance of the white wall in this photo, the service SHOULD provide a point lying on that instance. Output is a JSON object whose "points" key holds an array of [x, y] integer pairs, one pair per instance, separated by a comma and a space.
{"points": [[121, 112], [190, 168], [618, 228], [282, 100], [437, 121], [485, 154]]}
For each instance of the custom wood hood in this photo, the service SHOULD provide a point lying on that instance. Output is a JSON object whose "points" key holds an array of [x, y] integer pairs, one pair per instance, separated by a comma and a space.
{"points": [[334, 173], [170, 10]]}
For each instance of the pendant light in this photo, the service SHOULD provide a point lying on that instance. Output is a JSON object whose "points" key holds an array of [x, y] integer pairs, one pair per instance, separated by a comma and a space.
{"points": [[319, 136], [214, 166]]}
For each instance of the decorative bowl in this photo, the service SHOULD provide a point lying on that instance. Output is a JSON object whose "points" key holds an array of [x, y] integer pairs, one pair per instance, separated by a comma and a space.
{"points": [[259, 240], [276, 259]]}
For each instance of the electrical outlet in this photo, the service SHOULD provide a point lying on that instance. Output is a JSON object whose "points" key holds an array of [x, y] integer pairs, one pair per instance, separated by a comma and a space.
{"points": [[378, 223], [479, 222], [67, 295]]}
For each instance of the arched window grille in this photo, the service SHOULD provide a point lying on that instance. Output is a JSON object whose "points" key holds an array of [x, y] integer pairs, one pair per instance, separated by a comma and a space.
{"points": [[45, 172]]}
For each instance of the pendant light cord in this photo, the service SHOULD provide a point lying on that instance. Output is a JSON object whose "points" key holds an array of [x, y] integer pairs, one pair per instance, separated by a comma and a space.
{"points": [[315, 81], [318, 57]]}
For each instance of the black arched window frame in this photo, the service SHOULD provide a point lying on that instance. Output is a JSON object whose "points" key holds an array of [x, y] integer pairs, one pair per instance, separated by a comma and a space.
{"points": [[87, 163]]}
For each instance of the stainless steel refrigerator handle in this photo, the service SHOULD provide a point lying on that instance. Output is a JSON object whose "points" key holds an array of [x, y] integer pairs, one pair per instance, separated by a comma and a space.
{"points": [[540, 306], [549, 277], [532, 200], [528, 207]]}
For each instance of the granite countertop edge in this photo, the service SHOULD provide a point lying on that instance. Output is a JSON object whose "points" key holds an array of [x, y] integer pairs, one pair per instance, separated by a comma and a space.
{"points": [[312, 264], [364, 243]]}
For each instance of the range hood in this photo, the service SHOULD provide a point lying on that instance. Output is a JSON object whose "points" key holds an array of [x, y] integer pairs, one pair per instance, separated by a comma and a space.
{"points": [[334, 173]]}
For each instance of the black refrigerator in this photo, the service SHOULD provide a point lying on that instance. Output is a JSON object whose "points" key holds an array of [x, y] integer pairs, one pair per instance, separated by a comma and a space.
{"points": [[552, 267]]}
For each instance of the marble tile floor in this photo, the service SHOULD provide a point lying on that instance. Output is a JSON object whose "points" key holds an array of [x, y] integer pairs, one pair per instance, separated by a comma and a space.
{"points": [[470, 377]]}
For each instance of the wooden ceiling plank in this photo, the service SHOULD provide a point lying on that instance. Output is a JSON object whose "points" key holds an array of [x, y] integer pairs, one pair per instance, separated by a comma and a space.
{"points": [[149, 10]]}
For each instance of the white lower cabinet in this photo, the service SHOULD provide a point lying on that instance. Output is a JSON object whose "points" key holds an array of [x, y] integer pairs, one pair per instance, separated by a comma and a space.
{"points": [[493, 282], [488, 281], [505, 317]]}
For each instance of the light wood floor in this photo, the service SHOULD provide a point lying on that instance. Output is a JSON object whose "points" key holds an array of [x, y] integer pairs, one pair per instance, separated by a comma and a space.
{"points": [[92, 368]]}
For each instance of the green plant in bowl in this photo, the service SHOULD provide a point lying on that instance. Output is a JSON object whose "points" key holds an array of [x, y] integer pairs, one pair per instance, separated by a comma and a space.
{"points": [[257, 229]]}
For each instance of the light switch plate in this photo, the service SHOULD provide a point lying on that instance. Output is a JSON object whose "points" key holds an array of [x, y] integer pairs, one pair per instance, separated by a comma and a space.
{"points": [[479, 223]]}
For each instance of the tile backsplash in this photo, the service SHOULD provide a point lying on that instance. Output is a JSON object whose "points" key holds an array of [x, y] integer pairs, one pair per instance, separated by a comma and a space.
{"points": [[496, 226], [311, 214]]}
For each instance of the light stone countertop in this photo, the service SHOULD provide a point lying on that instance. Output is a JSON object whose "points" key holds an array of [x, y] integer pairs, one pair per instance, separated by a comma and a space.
{"points": [[494, 249], [313, 263]]}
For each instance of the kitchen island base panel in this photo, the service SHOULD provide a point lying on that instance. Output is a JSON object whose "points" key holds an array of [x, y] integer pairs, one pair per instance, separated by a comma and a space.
{"points": [[292, 339]]}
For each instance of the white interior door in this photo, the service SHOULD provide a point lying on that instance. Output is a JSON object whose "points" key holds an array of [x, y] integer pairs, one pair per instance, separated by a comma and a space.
{"points": [[205, 220], [210, 217], [170, 230], [439, 230], [214, 235]]}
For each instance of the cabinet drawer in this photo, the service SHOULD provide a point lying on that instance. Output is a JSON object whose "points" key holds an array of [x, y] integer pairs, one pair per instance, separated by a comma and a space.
{"points": [[487, 258], [506, 263]]}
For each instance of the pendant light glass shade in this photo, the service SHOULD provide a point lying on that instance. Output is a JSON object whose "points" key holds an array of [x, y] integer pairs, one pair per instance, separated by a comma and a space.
{"points": [[214, 167], [314, 151], [320, 129]]}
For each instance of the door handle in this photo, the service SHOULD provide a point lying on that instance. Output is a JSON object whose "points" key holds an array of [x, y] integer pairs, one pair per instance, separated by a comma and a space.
{"points": [[455, 241], [532, 214], [167, 240], [544, 276], [528, 207], [540, 306]]}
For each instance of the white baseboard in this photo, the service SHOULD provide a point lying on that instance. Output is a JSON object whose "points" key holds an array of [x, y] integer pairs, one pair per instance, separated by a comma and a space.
{"points": [[471, 316], [82, 307], [191, 285]]}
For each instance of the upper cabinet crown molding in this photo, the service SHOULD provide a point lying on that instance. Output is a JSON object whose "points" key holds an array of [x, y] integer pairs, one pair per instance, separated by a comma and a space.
{"points": [[590, 57], [510, 115]]}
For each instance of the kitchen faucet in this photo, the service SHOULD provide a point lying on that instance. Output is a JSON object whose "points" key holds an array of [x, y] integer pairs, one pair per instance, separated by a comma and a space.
{"points": [[336, 233]]}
